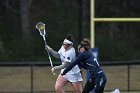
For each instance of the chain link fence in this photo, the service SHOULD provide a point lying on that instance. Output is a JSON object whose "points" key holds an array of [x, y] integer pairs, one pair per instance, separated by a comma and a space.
{"points": [[37, 77]]}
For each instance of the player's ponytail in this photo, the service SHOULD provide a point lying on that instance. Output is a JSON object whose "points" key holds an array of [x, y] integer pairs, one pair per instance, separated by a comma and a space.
{"points": [[70, 37]]}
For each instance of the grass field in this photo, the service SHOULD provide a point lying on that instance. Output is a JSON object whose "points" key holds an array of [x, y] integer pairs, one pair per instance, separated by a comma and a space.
{"points": [[19, 79]]}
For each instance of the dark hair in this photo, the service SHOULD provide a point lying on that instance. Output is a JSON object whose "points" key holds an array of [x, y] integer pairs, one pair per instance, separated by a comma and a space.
{"points": [[85, 43], [70, 38]]}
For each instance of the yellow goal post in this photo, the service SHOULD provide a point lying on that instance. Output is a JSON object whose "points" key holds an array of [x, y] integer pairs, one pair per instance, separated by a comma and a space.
{"points": [[93, 20]]}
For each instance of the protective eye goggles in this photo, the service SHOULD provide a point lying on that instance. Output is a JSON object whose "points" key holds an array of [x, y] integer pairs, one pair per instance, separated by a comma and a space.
{"points": [[82, 45], [79, 46]]}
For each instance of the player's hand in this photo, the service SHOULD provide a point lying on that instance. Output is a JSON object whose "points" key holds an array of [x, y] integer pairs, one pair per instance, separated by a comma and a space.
{"points": [[53, 69], [48, 48], [62, 73]]}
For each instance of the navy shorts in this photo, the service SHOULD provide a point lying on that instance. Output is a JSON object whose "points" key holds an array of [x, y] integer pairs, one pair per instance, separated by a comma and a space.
{"points": [[97, 84]]}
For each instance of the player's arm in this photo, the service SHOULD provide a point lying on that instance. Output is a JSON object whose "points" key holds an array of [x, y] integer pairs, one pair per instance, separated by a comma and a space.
{"points": [[69, 67], [76, 62], [61, 66], [67, 61], [54, 53]]}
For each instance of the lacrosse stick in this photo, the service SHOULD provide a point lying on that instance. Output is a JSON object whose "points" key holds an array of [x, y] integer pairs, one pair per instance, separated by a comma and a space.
{"points": [[41, 28]]}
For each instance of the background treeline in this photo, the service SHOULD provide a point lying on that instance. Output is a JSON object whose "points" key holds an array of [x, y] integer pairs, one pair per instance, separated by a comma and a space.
{"points": [[20, 40]]}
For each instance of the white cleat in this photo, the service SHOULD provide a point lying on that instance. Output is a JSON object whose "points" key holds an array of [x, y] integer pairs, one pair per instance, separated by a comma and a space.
{"points": [[115, 91]]}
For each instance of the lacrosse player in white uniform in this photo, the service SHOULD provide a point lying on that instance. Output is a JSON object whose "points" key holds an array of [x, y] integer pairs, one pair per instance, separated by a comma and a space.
{"points": [[67, 55]]}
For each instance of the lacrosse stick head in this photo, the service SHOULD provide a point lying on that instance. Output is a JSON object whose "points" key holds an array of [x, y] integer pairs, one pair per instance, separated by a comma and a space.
{"points": [[41, 27]]}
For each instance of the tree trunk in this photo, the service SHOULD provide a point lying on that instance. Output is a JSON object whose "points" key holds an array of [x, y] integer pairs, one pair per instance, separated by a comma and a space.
{"points": [[25, 22]]}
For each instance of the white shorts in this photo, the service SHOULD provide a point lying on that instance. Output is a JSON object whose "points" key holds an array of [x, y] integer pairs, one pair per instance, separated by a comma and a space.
{"points": [[73, 77]]}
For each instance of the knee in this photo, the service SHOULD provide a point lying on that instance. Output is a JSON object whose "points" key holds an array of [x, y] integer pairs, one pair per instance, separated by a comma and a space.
{"points": [[78, 90], [58, 88]]}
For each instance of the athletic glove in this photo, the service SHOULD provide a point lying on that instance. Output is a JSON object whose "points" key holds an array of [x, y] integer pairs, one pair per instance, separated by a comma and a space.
{"points": [[53, 69], [62, 66], [62, 73]]}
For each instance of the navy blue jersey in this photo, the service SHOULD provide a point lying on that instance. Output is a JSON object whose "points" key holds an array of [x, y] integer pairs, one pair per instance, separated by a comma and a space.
{"points": [[87, 61]]}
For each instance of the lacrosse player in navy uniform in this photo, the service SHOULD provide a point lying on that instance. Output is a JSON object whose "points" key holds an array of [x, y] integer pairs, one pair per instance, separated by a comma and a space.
{"points": [[87, 61], [67, 55]]}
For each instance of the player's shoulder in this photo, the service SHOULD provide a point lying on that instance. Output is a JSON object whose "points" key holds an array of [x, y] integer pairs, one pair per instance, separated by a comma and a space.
{"points": [[84, 53], [71, 50], [61, 49]]}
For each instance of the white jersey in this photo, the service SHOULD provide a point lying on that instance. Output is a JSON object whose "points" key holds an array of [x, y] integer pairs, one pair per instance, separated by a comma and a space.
{"points": [[68, 56]]}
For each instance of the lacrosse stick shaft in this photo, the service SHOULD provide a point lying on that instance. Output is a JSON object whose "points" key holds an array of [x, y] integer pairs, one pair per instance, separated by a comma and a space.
{"points": [[50, 58], [48, 52]]}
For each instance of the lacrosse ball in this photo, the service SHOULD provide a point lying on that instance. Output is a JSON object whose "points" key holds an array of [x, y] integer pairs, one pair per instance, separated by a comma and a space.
{"points": [[42, 28]]}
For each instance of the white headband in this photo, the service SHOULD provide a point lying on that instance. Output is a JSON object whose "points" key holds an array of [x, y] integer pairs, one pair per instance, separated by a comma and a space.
{"points": [[67, 42]]}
